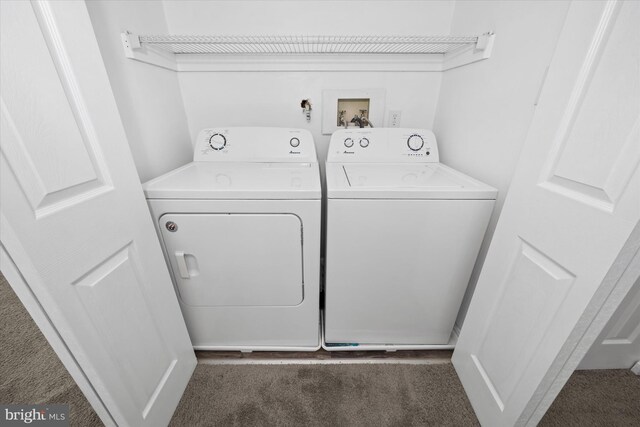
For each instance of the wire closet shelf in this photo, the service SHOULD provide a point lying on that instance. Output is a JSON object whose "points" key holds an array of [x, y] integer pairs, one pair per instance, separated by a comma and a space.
{"points": [[256, 45]]}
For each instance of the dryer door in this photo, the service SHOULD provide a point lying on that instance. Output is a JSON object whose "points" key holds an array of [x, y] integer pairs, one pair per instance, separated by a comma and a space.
{"points": [[235, 259]]}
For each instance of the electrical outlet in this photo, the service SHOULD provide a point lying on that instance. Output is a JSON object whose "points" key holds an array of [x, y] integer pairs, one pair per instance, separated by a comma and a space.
{"points": [[394, 118]]}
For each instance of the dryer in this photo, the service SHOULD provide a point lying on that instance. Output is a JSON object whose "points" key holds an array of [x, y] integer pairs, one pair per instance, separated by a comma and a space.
{"points": [[240, 230], [403, 234]]}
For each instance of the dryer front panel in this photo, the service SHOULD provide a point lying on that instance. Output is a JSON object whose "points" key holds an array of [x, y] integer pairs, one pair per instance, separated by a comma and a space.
{"points": [[235, 259]]}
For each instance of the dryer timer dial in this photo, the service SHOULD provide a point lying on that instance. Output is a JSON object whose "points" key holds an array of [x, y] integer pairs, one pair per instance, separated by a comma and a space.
{"points": [[415, 142], [217, 141]]}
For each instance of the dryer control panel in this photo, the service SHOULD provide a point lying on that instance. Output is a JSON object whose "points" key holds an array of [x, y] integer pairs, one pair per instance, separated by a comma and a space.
{"points": [[389, 145], [254, 144]]}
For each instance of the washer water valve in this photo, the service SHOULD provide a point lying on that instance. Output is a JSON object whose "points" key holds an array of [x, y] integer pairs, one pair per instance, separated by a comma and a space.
{"points": [[306, 108]]}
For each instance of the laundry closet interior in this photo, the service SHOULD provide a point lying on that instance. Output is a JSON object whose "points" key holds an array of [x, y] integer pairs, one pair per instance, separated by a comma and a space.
{"points": [[325, 176], [186, 73], [177, 68]]}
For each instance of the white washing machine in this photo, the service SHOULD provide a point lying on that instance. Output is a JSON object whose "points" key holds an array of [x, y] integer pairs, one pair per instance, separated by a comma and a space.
{"points": [[403, 234], [240, 230]]}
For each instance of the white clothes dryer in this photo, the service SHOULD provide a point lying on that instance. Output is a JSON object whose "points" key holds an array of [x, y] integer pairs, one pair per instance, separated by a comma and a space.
{"points": [[240, 230], [403, 234]]}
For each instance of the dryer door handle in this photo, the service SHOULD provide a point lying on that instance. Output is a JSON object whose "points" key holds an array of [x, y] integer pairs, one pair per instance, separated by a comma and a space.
{"points": [[182, 265]]}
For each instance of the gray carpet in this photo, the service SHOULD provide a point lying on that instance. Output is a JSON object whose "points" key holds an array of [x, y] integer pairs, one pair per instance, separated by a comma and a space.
{"points": [[247, 395], [597, 398], [324, 395]]}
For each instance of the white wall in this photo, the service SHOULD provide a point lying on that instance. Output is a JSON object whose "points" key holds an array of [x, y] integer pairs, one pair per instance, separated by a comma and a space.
{"points": [[485, 109], [273, 98], [308, 17], [148, 97]]}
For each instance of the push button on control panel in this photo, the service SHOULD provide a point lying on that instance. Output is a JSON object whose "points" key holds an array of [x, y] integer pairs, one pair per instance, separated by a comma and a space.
{"points": [[217, 141]]}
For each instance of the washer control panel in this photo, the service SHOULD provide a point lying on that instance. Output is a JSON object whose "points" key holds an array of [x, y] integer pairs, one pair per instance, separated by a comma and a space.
{"points": [[254, 144], [383, 145]]}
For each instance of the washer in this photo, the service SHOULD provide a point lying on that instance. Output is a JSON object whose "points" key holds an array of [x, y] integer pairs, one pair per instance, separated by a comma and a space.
{"points": [[240, 230], [403, 234]]}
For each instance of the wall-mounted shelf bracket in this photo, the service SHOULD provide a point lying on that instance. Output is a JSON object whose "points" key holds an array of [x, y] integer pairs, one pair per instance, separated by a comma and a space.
{"points": [[307, 53], [134, 49], [130, 42], [481, 51]]}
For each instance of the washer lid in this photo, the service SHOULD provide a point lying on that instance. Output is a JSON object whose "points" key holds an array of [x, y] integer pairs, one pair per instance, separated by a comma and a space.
{"points": [[402, 181], [236, 180]]}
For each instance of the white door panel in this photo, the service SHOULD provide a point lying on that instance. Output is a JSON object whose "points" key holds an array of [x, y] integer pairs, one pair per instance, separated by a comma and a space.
{"points": [[74, 219], [572, 205]]}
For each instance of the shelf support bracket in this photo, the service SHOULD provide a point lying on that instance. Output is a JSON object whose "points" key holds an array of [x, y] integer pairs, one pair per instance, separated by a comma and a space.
{"points": [[133, 49], [474, 53], [130, 42], [484, 40]]}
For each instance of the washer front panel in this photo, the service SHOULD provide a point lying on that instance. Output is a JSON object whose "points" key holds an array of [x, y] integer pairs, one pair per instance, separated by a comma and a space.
{"points": [[397, 270]]}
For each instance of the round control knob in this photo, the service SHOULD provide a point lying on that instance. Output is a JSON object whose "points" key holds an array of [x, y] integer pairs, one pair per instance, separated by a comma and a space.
{"points": [[364, 142], [348, 142], [294, 142], [415, 142], [217, 141]]}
